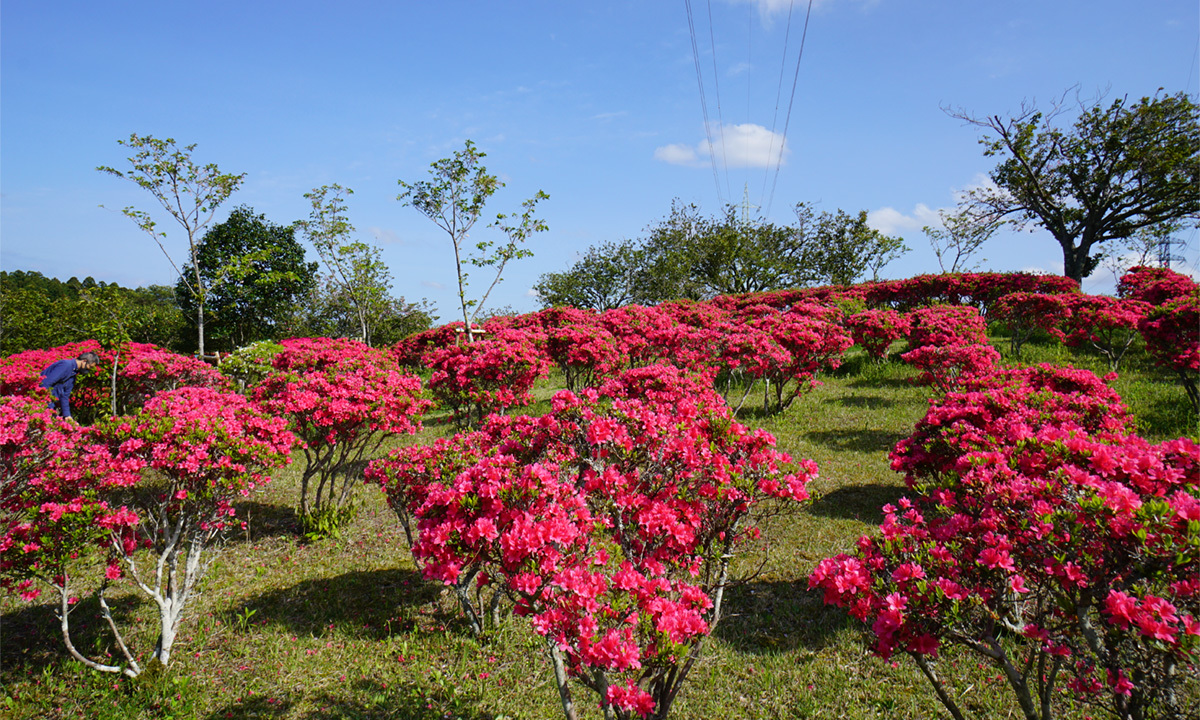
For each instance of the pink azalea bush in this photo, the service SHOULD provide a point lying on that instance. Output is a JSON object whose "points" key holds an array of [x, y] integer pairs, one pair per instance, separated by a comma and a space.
{"points": [[610, 522], [1154, 285], [343, 399], [147, 370], [1025, 314], [1110, 325], [647, 334], [876, 330], [585, 353], [947, 367], [155, 489], [1172, 335], [784, 350], [53, 475], [943, 325], [1038, 516], [473, 380]]}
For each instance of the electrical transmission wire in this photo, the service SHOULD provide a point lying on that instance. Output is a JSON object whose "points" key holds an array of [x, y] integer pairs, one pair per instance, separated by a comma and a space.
{"points": [[703, 102], [788, 119], [778, 94], [717, 91]]}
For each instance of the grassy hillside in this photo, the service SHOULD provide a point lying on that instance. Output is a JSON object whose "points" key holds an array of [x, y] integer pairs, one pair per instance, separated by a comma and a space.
{"points": [[346, 628]]}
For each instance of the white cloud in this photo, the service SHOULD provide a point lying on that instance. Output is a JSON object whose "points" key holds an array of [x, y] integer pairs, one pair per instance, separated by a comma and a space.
{"points": [[890, 221], [433, 285], [768, 10], [742, 67], [676, 155], [735, 146]]}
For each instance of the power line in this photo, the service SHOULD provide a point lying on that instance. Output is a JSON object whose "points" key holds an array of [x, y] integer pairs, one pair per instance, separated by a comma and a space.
{"points": [[717, 89], [703, 102], [778, 93], [787, 121]]}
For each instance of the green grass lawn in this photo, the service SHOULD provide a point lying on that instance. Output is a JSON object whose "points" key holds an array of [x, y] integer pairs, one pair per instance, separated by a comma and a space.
{"points": [[346, 628]]}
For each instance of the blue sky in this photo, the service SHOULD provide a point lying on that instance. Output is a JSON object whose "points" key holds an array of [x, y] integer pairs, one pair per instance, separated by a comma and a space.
{"points": [[596, 103]]}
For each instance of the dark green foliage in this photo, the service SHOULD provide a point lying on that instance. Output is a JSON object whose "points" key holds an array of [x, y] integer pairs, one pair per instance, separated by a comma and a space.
{"points": [[256, 275], [41, 312]]}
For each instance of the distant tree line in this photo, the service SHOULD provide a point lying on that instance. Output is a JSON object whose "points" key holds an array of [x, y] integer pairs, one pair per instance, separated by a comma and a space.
{"points": [[690, 256], [258, 286]]}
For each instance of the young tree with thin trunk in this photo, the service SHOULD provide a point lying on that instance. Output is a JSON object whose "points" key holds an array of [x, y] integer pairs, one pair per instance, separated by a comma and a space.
{"points": [[357, 275], [190, 193], [453, 199], [957, 240]]}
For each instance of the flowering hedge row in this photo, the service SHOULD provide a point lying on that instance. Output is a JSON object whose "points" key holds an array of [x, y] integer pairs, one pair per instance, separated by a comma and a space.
{"points": [[135, 370]]}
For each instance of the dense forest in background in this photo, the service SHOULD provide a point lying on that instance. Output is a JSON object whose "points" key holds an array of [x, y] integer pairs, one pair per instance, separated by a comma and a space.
{"points": [[43, 312]]}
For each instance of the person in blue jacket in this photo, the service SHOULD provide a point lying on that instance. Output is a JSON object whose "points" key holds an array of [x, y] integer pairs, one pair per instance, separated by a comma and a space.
{"points": [[59, 379]]}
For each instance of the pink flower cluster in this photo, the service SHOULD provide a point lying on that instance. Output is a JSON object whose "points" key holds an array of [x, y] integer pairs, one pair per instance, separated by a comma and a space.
{"points": [[1037, 513], [55, 477], [610, 520], [948, 343], [1156, 286], [876, 330], [1172, 335], [142, 371], [334, 390], [149, 369], [476, 379]]}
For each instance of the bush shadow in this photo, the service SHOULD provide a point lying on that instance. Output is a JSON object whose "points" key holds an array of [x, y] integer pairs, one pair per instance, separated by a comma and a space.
{"points": [[364, 700], [265, 520], [31, 636], [867, 402], [767, 618], [864, 441], [878, 382], [858, 502], [370, 604]]}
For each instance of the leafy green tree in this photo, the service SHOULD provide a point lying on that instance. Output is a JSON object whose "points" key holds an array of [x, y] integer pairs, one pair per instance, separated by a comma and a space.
{"points": [[603, 279], [453, 198], [357, 282], [845, 248], [255, 275], [402, 319], [1118, 169], [189, 193], [689, 256]]}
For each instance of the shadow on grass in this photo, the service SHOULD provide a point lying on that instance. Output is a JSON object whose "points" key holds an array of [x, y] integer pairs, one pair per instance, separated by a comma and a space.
{"points": [[859, 401], [365, 700], [765, 618], [31, 637], [266, 520], [863, 441], [369, 604], [858, 502], [881, 382]]}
